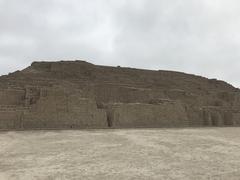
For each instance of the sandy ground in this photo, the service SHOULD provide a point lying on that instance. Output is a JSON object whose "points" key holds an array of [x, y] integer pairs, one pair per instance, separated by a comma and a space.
{"points": [[212, 153]]}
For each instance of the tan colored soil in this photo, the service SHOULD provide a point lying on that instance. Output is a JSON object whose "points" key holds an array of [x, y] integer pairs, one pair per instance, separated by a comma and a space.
{"points": [[207, 153]]}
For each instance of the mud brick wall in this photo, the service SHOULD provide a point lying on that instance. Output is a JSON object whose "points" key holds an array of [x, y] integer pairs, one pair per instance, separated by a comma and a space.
{"points": [[10, 119], [147, 115], [78, 94], [59, 110], [12, 97]]}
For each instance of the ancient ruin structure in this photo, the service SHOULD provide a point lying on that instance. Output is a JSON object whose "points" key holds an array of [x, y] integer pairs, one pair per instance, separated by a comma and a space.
{"points": [[77, 94]]}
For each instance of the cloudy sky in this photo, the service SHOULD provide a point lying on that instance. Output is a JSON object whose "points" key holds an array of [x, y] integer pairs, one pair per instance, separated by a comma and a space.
{"points": [[194, 36]]}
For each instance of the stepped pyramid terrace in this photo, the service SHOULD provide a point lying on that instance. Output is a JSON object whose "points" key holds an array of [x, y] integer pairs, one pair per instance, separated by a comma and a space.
{"points": [[78, 95]]}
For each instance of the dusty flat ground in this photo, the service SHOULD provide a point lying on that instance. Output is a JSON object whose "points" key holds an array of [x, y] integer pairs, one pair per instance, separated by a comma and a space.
{"points": [[212, 153]]}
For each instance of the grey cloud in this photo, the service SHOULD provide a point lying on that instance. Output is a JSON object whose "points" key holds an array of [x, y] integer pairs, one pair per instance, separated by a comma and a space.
{"points": [[192, 36], [200, 37]]}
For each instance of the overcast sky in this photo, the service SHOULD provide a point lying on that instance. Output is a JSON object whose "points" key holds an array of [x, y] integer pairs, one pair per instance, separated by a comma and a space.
{"points": [[194, 36]]}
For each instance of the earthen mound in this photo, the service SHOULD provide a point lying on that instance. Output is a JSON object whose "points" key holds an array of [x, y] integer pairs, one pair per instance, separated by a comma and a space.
{"points": [[77, 94]]}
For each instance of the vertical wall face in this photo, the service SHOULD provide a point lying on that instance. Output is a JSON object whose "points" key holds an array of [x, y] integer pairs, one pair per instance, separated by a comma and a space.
{"points": [[110, 93], [10, 119], [236, 119], [11, 103], [12, 97], [218, 117], [60, 110], [146, 115], [43, 108]]}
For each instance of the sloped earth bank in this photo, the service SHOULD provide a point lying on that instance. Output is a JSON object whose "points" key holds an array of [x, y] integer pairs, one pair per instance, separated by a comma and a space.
{"points": [[204, 153]]}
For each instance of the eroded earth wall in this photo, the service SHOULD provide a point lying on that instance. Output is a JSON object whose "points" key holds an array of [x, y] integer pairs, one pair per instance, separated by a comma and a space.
{"points": [[77, 94]]}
